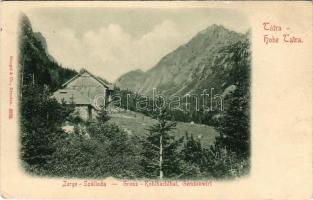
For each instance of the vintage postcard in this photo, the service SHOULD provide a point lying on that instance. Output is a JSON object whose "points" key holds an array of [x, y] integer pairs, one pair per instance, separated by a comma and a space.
{"points": [[156, 100]]}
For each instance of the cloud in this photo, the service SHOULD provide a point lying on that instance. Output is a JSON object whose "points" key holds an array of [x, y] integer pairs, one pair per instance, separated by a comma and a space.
{"points": [[110, 51]]}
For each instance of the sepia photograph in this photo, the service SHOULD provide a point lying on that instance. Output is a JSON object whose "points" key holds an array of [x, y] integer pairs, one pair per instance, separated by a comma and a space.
{"points": [[156, 100], [135, 93]]}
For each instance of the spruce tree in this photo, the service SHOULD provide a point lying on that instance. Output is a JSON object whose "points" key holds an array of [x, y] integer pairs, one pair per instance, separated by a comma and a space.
{"points": [[160, 149], [234, 127], [192, 150], [41, 119]]}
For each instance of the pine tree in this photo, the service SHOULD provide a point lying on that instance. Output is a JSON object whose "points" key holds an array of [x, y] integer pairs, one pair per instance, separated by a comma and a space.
{"points": [[234, 125], [41, 119], [192, 155], [192, 150], [160, 149]]}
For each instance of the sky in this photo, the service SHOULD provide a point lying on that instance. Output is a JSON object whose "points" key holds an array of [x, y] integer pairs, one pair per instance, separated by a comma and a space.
{"points": [[109, 42]]}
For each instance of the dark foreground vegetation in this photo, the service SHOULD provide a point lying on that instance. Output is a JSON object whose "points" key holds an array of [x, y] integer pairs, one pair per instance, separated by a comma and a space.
{"points": [[98, 149]]}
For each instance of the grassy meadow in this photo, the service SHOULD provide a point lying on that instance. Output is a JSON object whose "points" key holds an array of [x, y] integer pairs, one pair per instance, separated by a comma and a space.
{"points": [[137, 123]]}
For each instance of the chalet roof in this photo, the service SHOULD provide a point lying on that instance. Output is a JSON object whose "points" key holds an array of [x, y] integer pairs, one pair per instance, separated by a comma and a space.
{"points": [[71, 96], [82, 71]]}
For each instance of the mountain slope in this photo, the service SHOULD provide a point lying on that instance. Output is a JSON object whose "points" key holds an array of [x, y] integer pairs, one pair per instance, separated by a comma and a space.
{"points": [[36, 65], [130, 79], [191, 67], [44, 44]]}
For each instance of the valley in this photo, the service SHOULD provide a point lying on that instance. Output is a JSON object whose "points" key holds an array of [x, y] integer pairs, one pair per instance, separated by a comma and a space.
{"points": [[136, 124]]}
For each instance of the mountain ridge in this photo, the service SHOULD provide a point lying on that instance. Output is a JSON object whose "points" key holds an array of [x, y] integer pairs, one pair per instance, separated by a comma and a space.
{"points": [[37, 66], [188, 68]]}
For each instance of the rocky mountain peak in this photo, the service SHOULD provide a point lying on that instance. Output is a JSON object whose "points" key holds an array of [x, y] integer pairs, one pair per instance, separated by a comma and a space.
{"points": [[187, 68]]}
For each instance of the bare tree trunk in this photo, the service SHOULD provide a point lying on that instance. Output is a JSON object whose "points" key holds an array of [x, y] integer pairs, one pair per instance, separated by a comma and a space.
{"points": [[33, 79], [161, 156]]}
